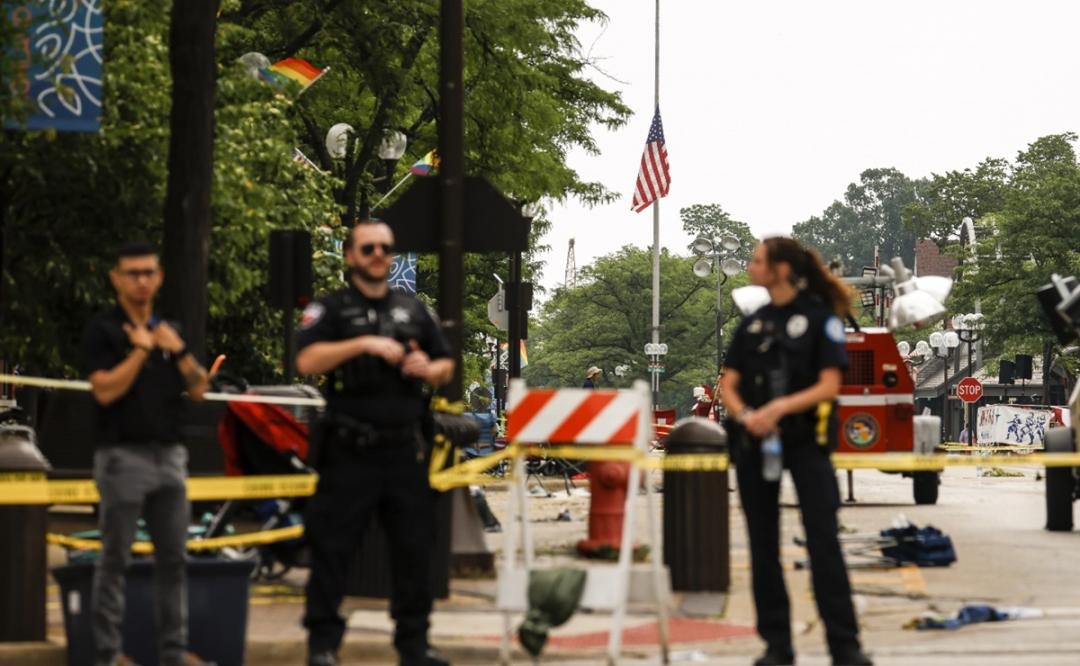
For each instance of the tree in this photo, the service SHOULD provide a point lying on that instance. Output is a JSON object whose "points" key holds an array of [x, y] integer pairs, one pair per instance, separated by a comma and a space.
{"points": [[604, 321], [869, 216], [947, 199], [711, 221], [1035, 233]]}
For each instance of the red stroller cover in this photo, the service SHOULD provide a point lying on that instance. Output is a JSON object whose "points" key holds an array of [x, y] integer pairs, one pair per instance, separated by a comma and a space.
{"points": [[257, 438]]}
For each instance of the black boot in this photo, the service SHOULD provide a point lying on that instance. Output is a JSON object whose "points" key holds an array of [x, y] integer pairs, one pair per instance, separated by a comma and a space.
{"points": [[852, 656], [326, 658], [776, 656], [430, 657]]}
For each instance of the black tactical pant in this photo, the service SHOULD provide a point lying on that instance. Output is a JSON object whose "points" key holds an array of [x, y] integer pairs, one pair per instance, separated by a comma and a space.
{"points": [[819, 499], [389, 480]]}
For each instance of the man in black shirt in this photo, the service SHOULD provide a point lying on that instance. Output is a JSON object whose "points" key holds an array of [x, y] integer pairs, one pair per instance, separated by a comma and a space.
{"points": [[138, 366], [379, 350]]}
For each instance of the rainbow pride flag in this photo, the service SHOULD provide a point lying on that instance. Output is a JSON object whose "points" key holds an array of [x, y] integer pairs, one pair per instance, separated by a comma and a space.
{"points": [[524, 354], [425, 164], [292, 69]]}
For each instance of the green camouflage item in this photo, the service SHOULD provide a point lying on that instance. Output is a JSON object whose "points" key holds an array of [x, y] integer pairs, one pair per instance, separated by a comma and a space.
{"points": [[554, 595]]}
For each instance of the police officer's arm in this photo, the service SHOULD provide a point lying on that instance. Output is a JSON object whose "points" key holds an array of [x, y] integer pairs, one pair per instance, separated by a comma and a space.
{"points": [[109, 384], [433, 371], [428, 357], [762, 421], [729, 393], [320, 357]]}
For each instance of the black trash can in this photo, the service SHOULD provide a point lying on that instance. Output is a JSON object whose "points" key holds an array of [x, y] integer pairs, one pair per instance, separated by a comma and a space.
{"points": [[696, 524], [22, 557], [217, 610]]}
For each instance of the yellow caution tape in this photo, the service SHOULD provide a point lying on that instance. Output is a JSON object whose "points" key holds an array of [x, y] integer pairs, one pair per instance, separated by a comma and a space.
{"points": [[21, 488], [262, 538], [28, 488], [441, 404]]}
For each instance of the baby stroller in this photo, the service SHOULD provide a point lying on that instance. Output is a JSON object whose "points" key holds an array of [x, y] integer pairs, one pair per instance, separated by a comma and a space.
{"points": [[258, 438]]}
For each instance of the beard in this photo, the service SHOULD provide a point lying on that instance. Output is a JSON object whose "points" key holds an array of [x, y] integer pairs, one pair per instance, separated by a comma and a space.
{"points": [[367, 276]]}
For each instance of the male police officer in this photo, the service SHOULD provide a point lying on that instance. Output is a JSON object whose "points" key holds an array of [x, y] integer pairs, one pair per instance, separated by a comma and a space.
{"points": [[377, 349]]}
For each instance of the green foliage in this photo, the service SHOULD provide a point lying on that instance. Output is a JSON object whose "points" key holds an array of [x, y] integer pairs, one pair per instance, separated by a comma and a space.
{"points": [[1036, 232], [870, 215], [66, 201], [606, 321], [948, 199], [711, 221]]}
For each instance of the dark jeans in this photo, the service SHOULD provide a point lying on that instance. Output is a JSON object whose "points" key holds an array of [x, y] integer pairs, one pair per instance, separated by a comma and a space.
{"points": [[146, 480], [819, 499], [389, 481]]}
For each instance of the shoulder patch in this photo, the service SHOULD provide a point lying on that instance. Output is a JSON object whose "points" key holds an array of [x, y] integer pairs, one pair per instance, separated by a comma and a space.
{"points": [[312, 314], [834, 329]]}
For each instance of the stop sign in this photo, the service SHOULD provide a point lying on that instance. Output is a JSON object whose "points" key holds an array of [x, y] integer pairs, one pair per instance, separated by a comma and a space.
{"points": [[969, 389]]}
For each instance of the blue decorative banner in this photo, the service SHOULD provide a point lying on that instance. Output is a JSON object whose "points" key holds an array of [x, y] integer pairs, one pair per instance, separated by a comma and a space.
{"points": [[59, 52], [403, 273]]}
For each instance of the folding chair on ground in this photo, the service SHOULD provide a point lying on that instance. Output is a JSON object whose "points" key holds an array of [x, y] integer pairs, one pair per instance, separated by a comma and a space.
{"points": [[580, 417]]}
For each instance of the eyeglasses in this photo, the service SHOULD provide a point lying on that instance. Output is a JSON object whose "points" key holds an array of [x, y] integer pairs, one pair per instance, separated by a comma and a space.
{"points": [[368, 249], [136, 273]]}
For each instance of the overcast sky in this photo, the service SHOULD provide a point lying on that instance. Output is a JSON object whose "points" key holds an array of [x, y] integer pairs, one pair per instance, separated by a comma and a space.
{"points": [[771, 108]]}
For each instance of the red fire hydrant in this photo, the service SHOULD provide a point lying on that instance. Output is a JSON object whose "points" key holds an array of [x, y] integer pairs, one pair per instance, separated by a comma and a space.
{"points": [[607, 507]]}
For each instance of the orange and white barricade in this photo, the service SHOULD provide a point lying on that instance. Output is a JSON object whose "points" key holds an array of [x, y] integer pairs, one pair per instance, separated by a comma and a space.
{"points": [[585, 417]]}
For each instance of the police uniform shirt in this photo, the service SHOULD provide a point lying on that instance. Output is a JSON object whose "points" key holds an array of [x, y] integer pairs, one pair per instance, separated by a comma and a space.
{"points": [[780, 350], [150, 410], [366, 387]]}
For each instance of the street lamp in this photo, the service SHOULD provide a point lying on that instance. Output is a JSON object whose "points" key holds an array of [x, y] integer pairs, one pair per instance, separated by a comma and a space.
{"points": [[943, 345], [968, 328], [719, 257], [391, 149]]}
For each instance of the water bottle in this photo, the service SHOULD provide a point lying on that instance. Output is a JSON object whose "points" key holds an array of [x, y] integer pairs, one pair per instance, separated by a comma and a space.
{"points": [[772, 457]]}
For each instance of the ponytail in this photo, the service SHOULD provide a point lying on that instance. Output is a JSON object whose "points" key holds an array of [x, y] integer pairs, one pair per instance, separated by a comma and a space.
{"points": [[810, 274]]}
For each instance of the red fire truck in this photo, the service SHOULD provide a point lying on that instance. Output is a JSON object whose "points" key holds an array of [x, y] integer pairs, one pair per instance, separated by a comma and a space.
{"points": [[877, 407]]}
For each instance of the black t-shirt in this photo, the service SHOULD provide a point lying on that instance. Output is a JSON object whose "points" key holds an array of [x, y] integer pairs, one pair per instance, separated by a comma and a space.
{"points": [[150, 410], [365, 387], [780, 350]]}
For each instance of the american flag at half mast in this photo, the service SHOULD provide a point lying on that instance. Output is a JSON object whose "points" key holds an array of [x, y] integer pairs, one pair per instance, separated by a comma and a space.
{"points": [[654, 178]]}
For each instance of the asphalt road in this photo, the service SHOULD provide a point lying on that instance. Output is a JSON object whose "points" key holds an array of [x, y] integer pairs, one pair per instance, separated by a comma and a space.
{"points": [[1005, 559]]}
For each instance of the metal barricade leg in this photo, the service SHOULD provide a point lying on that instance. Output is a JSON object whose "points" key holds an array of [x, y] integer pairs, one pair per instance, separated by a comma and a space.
{"points": [[516, 513], [626, 558], [659, 589]]}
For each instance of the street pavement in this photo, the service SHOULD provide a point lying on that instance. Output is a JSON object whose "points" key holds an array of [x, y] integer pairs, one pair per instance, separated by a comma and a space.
{"points": [[1005, 558]]}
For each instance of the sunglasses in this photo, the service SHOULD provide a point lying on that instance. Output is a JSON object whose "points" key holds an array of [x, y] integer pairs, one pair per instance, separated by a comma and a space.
{"points": [[368, 249]]}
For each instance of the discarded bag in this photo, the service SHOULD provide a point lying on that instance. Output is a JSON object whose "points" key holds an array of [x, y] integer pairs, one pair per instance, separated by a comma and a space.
{"points": [[922, 546]]}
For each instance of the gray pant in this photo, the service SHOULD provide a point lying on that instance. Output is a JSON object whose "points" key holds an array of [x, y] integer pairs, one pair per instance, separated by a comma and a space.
{"points": [[147, 480]]}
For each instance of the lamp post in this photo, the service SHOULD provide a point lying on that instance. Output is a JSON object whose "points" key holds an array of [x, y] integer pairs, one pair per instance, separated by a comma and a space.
{"points": [[968, 328], [943, 344], [719, 257]]}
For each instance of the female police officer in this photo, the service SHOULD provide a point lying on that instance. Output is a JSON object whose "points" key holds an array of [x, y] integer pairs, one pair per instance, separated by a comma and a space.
{"points": [[783, 371]]}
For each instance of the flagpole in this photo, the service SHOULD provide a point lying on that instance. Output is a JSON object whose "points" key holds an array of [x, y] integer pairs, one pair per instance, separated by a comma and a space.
{"points": [[656, 232], [392, 189]]}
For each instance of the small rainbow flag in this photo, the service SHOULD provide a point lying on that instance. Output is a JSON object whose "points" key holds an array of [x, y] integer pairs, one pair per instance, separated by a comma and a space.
{"points": [[425, 164], [292, 69], [524, 354]]}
